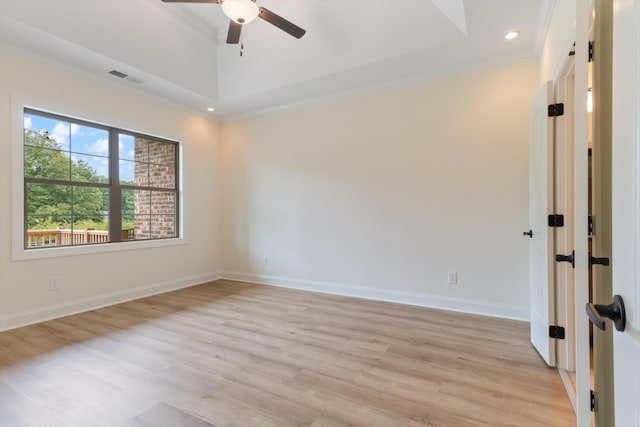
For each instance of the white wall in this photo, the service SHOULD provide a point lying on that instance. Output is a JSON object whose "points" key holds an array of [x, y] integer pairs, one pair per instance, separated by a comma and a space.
{"points": [[91, 280], [378, 195], [382, 195], [560, 37]]}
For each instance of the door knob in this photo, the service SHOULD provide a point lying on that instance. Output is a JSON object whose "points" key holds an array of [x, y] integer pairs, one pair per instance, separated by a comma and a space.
{"points": [[528, 233], [614, 311], [567, 258], [597, 261]]}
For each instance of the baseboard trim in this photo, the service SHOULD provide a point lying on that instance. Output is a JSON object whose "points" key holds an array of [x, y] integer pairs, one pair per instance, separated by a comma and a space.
{"points": [[484, 308], [38, 315], [402, 297]]}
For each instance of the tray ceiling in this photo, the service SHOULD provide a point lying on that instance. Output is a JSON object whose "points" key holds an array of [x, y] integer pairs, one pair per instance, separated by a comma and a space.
{"points": [[178, 51]]}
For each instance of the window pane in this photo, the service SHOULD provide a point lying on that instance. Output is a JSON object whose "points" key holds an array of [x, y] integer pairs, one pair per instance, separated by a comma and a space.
{"points": [[86, 230], [142, 212], [48, 222], [90, 203], [142, 228], [48, 205], [55, 132], [134, 173], [89, 140], [162, 176], [141, 149], [126, 170], [46, 231], [163, 203], [162, 153], [69, 203], [128, 204], [141, 174], [126, 147], [45, 163], [85, 168], [105, 204], [128, 226], [141, 202], [163, 226], [48, 212], [128, 214]]}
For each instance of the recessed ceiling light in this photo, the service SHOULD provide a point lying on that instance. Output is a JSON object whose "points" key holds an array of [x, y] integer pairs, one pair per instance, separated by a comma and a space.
{"points": [[211, 109], [511, 35]]}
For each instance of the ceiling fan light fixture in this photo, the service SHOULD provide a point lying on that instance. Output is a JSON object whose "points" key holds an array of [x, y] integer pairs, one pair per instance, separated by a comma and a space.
{"points": [[240, 11]]}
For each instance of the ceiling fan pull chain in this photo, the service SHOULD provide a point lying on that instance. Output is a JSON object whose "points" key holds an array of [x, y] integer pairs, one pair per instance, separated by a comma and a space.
{"points": [[241, 45]]}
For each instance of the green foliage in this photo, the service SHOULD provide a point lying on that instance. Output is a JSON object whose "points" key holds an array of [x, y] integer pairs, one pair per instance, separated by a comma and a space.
{"points": [[91, 225], [128, 201], [50, 205], [128, 224]]}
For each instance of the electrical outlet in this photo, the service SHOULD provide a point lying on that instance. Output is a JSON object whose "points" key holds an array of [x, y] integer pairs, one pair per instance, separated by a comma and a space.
{"points": [[263, 260], [452, 278], [55, 283]]}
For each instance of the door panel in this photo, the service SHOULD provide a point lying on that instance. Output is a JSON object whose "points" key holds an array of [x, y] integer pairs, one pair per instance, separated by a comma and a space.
{"points": [[540, 204], [564, 89], [626, 207]]}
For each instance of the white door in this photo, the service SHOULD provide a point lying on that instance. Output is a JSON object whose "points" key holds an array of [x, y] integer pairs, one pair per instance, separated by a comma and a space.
{"points": [[581, 214], [540, 205], [626, 207], [564, 284]]}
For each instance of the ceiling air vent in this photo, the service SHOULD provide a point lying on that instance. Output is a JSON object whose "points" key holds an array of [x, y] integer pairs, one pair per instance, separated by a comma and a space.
{"points": [[124, 76], [118, 74]]}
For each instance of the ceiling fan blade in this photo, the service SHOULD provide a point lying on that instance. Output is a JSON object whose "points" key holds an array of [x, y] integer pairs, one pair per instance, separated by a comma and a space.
{"points": [[191, 1], [280, 22], [233, 36]]}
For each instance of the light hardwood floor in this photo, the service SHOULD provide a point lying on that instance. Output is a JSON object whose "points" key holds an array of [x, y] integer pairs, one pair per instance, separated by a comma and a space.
{"points": [[235, 354]]}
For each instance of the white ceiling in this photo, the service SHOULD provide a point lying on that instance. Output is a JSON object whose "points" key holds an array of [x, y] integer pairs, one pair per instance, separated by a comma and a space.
{"points": [[177, 52]]}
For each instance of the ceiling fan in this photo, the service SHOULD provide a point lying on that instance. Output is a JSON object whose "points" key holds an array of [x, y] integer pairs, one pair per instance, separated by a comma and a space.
{"points": [[244, 11]]}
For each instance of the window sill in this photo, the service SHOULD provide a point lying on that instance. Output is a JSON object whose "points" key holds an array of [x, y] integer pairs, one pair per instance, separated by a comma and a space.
{"points": [[21, 254]]}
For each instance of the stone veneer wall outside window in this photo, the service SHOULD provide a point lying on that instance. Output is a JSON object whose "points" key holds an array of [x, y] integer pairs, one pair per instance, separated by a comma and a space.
{"points": [[155, 210]]}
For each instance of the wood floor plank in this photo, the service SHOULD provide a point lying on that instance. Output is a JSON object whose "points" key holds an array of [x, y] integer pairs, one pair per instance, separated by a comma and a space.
{"points": [[236, 354], [164, 414]]}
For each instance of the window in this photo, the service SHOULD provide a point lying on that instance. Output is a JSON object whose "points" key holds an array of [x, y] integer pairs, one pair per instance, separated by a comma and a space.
{"points": [[86, 183]]}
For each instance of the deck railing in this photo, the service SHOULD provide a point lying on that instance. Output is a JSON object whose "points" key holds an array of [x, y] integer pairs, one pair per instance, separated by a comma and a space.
{"points": [[69, 237]]}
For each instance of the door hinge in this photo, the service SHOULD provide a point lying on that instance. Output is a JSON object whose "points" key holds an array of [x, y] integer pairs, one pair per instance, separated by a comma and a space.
{"points": [[556, 332], [555, 110], [593, 400], [572, 52], [556, 220]]}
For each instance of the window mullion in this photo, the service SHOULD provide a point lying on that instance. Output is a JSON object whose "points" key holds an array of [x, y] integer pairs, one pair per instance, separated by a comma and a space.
{"points": [[115, 192]]}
